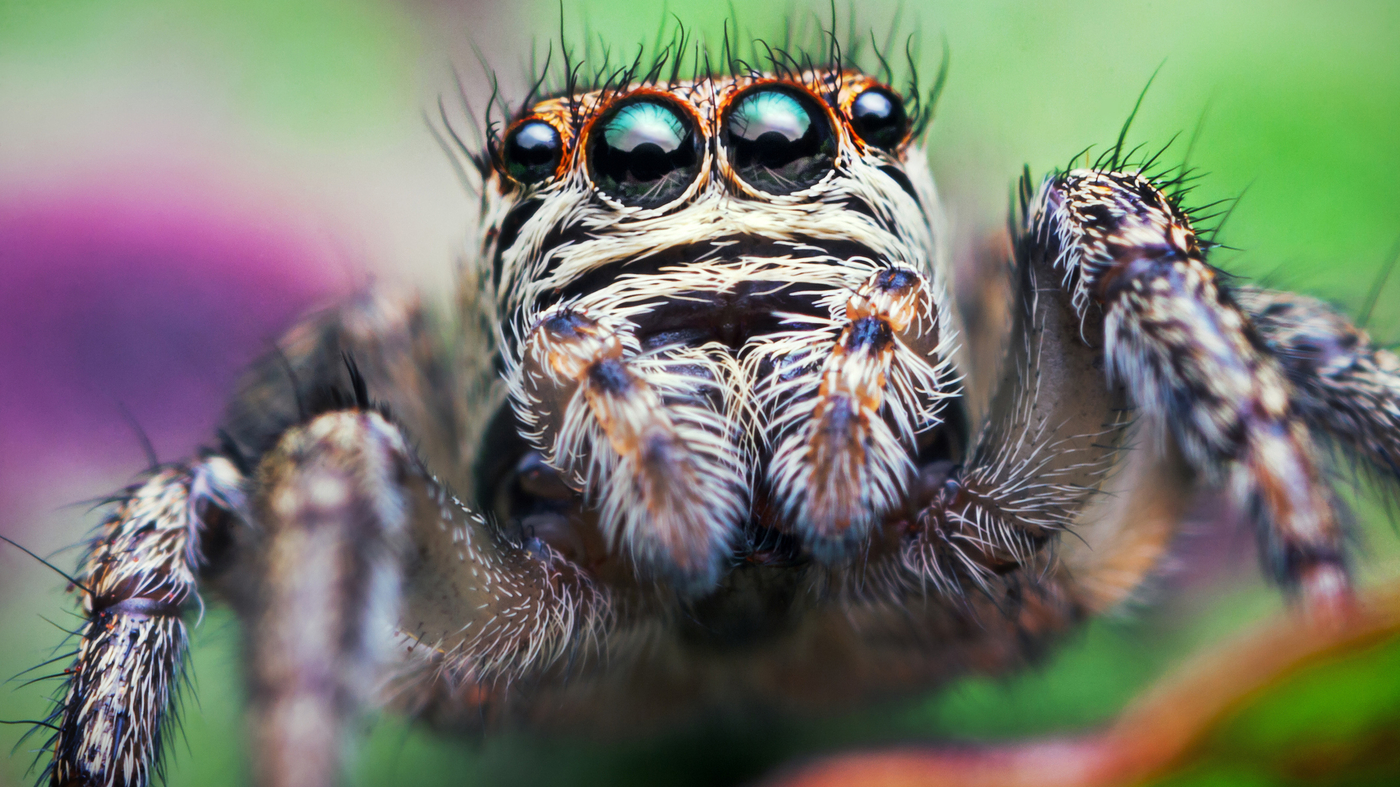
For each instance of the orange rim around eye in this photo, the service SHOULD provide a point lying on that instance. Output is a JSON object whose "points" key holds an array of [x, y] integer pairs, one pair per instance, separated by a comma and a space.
{"points": [[644, 150], [877, 116], [532, 151], [779, 138]]}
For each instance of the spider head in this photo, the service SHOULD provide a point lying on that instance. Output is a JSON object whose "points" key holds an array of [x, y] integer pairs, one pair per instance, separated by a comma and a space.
{"points": [[723, 311]]}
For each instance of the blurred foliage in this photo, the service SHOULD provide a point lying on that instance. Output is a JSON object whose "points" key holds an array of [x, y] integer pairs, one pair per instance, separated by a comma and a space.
{"points": [[1334, 723], [1299, 102], [1300, 700], [313, 65]]}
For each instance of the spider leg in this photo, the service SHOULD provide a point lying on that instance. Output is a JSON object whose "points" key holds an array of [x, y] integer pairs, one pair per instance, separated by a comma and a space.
{"points": [[137, 581], [483, 611], [367, 580], [1342, 382], [641, 435], [331, 502], [1052, 433], [845, 408], [339, 500], [1129, 259], [332, 511]]}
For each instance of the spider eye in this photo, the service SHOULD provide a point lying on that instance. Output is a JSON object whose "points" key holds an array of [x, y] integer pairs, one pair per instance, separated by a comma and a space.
{"points": [[878, 117], [644, 153], [532, 152], [779, 140]]}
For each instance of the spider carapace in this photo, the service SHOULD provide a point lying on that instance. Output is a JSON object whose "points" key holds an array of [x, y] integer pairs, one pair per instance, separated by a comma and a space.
{"points": [[704, 432]]}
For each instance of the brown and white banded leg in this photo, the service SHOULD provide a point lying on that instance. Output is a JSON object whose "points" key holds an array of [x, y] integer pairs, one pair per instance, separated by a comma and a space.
{"points": [[1342, 383], [643, 436], [332, 511], [1129, 257], [845, 406], [138, 581]]}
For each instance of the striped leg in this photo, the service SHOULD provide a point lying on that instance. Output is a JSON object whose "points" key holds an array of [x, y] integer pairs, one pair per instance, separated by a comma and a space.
{"points": [[1342, 382], [846, 405], [644, 436], [138, 581], [1129, 258]]}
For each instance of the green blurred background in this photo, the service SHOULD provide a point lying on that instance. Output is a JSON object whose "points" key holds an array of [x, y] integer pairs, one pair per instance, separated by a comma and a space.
{"points": [[308, 116]]}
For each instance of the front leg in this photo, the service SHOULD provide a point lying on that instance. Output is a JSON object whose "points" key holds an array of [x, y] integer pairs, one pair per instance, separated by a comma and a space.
{"points": [[307, 541], [649, 437], [1053, 431], [845, 405], [352, 525], [137, 582], [1129, 258], [331, 509]]}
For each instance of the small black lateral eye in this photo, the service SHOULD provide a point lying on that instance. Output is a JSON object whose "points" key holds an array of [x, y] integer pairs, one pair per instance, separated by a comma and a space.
{"points": [[779, 140], [532, 152], [644, 153], [878, 117]]}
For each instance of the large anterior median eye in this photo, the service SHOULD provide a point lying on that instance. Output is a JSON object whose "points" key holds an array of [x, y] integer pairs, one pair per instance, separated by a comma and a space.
{"points": [[643, 153], [779, 140], [532, 151]]}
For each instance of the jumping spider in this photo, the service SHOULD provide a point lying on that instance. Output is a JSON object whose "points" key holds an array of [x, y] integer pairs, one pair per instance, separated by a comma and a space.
{"points": [[702, 433]]}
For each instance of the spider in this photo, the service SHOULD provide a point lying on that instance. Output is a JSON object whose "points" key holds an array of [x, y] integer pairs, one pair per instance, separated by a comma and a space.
{"points": [[706, 431]]}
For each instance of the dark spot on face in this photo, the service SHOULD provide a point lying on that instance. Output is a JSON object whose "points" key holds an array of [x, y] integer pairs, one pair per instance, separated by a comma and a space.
{"points": [[895, 280], [610, 375], [567, 325], [897, 175], [510, 232], [869, 332]]}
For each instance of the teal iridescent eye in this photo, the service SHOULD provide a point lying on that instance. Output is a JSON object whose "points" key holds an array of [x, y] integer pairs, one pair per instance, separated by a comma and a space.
{"points": [[779, 140], [644, 123], [644, 153], [769, 112]]}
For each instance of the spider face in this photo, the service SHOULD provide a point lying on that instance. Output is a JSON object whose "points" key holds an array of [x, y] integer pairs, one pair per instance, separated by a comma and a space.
{"points": [[695, 440], [726, 325]]}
